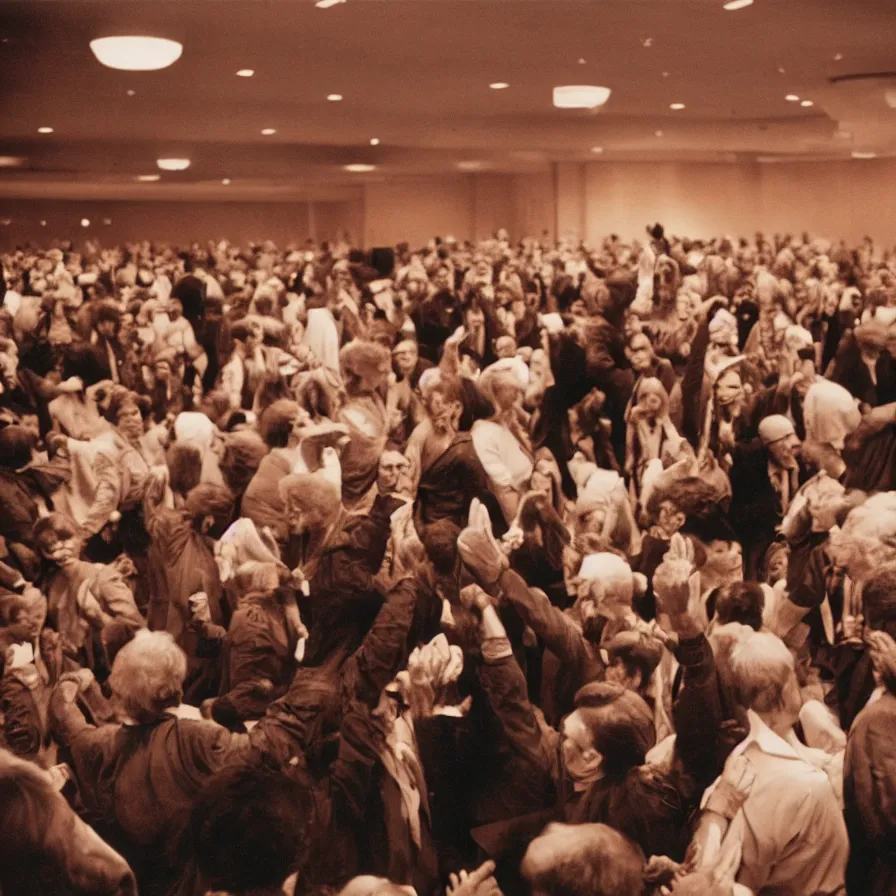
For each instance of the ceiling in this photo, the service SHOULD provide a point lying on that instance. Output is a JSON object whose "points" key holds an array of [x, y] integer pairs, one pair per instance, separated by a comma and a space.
{"points": [[415, 75]]}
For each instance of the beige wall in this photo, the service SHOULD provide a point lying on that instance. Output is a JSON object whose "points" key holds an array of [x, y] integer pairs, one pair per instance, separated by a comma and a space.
{"points": [[177, 222], [836, 199]]}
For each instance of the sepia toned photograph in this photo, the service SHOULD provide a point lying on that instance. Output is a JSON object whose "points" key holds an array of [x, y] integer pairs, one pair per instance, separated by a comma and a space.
{"points": [[447, 447]]}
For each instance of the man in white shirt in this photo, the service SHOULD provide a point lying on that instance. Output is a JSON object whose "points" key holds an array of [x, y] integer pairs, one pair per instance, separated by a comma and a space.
{"points": [[794, 840]]}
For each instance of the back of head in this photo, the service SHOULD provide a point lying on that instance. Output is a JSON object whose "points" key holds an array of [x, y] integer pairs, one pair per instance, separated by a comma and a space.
{"points": [[248, 829], [620, 723], [879, 596], [583, 860], [16, 445], [148, 675], [741, 602], [277, 422], [184, 462], [761, 668]]}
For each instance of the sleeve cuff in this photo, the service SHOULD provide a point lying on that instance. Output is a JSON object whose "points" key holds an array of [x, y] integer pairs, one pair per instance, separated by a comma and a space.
{"points": [[496, 649], [693, 651]]}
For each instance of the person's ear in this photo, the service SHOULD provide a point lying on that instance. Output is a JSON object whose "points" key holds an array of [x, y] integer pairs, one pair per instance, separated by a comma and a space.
{"points": [[207, 522], [678, 520]]}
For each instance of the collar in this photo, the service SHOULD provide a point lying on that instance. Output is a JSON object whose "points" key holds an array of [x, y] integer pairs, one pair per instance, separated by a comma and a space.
{"points": [[768, 742]]}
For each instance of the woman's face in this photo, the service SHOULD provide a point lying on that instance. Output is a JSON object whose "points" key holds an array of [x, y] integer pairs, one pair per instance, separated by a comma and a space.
{"points": [[729, 387], [651, 403], [130, 421]]}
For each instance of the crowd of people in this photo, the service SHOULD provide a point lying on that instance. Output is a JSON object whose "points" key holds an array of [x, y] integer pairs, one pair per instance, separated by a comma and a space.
{"points": [[514, 567]]}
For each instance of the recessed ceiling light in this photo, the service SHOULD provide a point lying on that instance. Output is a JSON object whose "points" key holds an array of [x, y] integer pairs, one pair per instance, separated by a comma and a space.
{"points": [[647, 43], [173, 164], [499, 85], [225, 181], [792, 98], [676, 107], [597, 150], [326, 4], [132, 93], [268, 131], [107, 221], [580, 96], [838, 57], [665, 74], [733, 5], [45, 130], [136, 53], [658, 133], [807, 103], [374, 141], [148, 178], [582, 60], [11, 161], [782, 70], [360, 168], [85, 222], [864, 155], [43, 223], [334, 97], [245, 72], [469, 166]]}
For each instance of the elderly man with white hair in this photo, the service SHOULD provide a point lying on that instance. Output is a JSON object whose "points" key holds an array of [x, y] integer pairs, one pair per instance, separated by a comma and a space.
{"points": [[792, 835]]}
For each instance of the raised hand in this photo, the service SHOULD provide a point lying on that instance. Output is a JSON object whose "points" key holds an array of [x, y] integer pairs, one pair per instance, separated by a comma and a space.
{"points": [[478, 548], [676, 583], [480, 882]]}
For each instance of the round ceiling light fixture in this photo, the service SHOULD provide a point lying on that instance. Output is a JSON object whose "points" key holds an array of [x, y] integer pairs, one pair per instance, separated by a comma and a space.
{"points": [[136, 53], [807, 103], [45, 130], [734, 5], [268, 132], [597, 150], [245, 73], [85, 222], [676, 107], [499, 85], [792, 98], [148, 178], [580, 96], [359, 168], [173, 164], [11, 161], [864, 155], [334, 97], [225, 181], [374, 141]]}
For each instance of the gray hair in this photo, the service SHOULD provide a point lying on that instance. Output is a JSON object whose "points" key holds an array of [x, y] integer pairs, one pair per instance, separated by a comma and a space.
{"points": [[148, 675]]}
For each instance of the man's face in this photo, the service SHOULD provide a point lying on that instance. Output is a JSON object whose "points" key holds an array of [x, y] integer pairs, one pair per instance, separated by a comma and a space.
{"points": [[106, 328], [580, 758], [640, 353], [785, 451], [389, 471], [442, 279], [405, 358], [505, 347], [443, 413], [724, 563]]}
